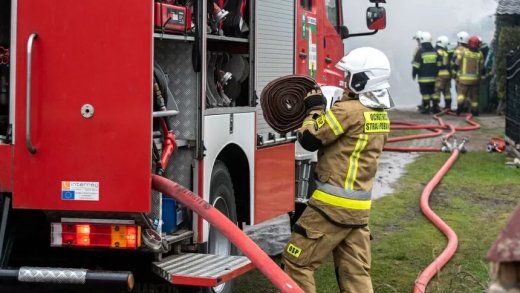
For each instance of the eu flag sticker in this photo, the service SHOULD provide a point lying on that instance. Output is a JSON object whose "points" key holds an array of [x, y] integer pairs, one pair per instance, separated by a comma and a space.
{"points": [[67, 194]]}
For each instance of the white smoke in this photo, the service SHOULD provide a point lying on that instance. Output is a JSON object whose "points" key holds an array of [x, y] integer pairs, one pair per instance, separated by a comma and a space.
{"points": [[404, 19]]}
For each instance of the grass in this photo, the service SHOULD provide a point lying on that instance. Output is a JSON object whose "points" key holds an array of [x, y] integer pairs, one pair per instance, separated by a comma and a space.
{"points": [[475, 199]]}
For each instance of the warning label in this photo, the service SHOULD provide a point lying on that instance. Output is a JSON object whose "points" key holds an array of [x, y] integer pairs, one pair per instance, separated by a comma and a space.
{"points": [[376, 122], [77, 190]]}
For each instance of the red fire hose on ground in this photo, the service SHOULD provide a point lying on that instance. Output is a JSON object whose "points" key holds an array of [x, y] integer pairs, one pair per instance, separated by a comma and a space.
{"points": [[426, 275], [261, 260]]}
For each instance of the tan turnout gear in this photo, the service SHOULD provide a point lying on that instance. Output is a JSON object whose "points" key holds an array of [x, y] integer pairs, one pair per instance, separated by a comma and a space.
{"points": [[470, 73], [352, 137], [443, 80], [458, 50]]}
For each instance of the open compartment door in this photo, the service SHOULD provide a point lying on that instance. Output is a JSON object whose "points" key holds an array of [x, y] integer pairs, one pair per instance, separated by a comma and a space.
{"points": [[89, 115]]}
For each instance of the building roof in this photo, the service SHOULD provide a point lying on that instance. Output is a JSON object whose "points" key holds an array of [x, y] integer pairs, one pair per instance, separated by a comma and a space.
{"points": [[508, 7], [506, 247]]}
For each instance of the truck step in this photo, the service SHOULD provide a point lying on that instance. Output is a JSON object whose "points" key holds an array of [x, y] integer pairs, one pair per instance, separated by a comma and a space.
{"points": [[178, 236], [204, 270]]}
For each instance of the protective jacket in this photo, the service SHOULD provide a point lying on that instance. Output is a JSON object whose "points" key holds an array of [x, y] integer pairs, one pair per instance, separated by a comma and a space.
{"points": [[458, 50], [426, 64], [469, 66], [349, 139], [444, 64]]}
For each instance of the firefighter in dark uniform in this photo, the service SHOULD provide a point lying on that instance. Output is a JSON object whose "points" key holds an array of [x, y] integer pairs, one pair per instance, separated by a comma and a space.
{"points": [[484, 48], [470, 69], [426, 68], [349, 139]]}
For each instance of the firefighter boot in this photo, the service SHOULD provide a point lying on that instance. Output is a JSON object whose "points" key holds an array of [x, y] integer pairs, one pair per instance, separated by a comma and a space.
{"points": [[460, 108], [425, 107], [474, 111], [447, 104], [436, 109]]}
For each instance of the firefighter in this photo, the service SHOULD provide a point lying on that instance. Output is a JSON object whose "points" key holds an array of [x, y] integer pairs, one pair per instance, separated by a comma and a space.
{"points": [[443, 82], [416, 38], [462, 44], [470, 69], [349, 139], [426, 67]]}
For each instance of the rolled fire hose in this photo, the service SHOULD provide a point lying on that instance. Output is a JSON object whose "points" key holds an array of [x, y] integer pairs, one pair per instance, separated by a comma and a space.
{"points": [[257, 256], [282, 102]]}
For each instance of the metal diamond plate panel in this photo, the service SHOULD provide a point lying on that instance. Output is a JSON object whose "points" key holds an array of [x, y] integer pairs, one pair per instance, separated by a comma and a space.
{"points": [[52, 275], [175, 60]]}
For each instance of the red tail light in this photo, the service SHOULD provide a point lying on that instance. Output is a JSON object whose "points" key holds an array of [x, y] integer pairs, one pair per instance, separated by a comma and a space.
{"points": [[95, 235]]}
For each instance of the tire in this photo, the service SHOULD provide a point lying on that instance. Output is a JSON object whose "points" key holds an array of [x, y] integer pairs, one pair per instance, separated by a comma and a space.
{"points": [[222, 197]]}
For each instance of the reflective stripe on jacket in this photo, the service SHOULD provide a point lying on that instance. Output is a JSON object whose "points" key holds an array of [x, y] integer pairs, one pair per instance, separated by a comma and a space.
{"points": [[426, 64], [444, 64], [352, 137], [470, 67]]}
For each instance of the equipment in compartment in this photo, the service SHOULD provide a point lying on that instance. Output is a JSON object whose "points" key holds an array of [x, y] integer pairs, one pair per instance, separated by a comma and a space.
{"points": [[173, 19], [225, 76]]}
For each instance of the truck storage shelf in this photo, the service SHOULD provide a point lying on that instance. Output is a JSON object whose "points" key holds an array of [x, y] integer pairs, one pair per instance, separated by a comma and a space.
{"points": [[173, 37], [206, 270], [226, 39]]}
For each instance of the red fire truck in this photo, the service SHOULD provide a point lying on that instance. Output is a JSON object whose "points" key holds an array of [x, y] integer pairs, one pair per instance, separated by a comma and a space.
{"points": [[97, 95]]}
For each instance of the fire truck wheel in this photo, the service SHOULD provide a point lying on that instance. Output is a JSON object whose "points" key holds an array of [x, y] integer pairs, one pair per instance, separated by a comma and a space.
{"points": [[222, 197]]}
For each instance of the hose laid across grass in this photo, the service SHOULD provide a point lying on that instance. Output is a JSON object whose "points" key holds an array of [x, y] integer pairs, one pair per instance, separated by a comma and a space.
{"points": [[428, 273]]}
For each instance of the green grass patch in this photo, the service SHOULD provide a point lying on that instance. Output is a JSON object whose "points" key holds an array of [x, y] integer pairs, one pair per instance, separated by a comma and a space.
{"points": [[475, 199]]}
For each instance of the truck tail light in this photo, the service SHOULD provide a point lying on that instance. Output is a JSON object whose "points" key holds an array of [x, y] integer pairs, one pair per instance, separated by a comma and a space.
{"points": [[95, 235]]}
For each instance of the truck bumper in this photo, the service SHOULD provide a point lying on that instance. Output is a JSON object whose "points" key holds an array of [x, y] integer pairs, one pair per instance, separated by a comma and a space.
{"points": [[80, 277]]}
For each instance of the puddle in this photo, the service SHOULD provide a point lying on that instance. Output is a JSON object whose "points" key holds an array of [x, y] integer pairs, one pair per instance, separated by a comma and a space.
{"points": [[391, 168], [272, 235]]}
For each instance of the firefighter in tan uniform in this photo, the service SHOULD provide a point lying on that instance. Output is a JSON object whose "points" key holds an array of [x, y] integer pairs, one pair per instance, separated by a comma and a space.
{"points": [[462, 45], [470, 69], [443, 81], [349, 139]]}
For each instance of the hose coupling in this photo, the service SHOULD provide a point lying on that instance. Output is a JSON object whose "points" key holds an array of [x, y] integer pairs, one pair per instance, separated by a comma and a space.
{"points": [[462, 147], [446, 149]]}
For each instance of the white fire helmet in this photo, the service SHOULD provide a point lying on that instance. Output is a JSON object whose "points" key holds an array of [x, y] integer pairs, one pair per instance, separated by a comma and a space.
{"points": [[425, 37], [462, 37], [368, 70], [417, 35], [443, 42]]}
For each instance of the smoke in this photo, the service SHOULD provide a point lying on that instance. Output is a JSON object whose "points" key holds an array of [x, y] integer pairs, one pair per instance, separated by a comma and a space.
{"points": [[404, 19]]}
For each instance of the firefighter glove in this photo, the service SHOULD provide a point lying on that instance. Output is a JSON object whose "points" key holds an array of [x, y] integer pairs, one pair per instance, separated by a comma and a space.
{"points": [[315, 99]]}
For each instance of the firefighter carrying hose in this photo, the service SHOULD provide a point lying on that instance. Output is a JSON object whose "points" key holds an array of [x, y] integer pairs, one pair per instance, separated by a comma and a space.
{"points": [[426, 67], [349, 139], [470, 69], [443, 82]]}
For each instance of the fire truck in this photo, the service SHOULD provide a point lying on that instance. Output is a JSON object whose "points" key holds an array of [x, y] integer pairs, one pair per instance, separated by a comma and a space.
{"points": [[96, 96]]}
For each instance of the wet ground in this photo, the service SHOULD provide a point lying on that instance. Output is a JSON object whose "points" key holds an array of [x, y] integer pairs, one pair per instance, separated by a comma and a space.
{"points": [[273, 235]]}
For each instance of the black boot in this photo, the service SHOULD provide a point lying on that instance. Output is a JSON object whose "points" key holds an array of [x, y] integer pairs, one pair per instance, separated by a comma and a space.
{"points": [[460, 109], [447, 104], [426, 107], [436, 109], [474, 111]]}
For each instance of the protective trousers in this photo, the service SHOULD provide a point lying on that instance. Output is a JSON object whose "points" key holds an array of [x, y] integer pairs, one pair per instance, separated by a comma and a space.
{"points": [[312, 241], [468, 92], [427, 90], [443, 86]]}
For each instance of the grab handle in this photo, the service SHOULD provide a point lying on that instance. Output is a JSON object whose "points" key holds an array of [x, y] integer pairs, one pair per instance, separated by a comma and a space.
{"points": [[31, 148]]}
